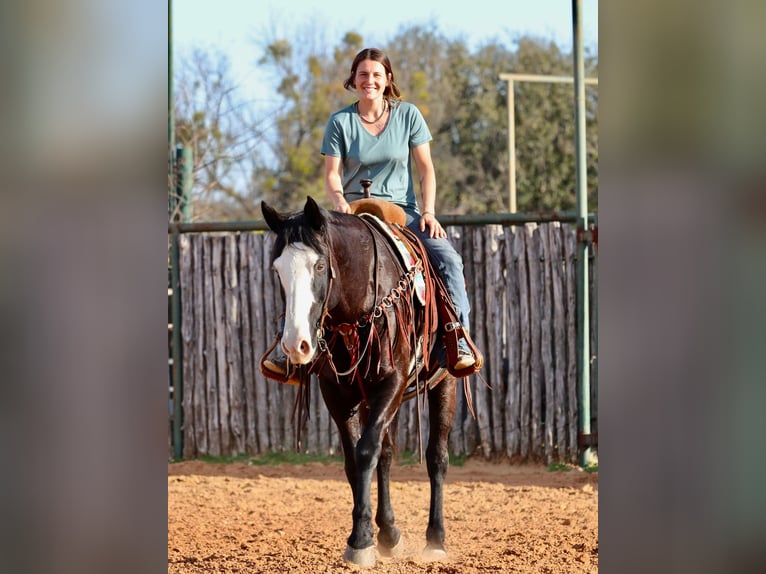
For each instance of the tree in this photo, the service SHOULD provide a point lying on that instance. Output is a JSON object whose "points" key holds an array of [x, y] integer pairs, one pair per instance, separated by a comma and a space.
{"points": [[458, 90], [545, 131], [217, 126], [306, 100]]}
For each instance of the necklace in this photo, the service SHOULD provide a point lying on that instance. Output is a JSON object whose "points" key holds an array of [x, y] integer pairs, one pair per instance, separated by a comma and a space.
{"points": [[376, 120]]}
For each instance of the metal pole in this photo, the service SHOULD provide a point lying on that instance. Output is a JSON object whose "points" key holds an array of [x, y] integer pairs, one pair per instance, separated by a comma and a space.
{"points": [[171, 115], [184, 165], [511, 147], [175, 282], [445, 220], [587, 454], [511, 79]]}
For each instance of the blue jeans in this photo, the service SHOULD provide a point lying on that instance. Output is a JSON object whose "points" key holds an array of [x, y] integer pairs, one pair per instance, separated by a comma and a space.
{"points": [[448, 263]]}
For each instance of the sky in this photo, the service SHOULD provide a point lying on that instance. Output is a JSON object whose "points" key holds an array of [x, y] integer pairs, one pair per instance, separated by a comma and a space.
{"points": [[233, 26]]}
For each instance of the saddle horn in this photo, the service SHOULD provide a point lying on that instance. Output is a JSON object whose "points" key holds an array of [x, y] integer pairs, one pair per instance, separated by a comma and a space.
{"points": [[366, 183]]}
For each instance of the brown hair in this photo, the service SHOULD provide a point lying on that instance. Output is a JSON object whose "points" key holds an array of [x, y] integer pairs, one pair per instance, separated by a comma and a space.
{"points": [[376, 55]]}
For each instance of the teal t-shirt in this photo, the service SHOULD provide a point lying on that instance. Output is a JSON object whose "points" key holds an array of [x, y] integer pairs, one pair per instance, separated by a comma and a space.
{"points": [[385, 158]]}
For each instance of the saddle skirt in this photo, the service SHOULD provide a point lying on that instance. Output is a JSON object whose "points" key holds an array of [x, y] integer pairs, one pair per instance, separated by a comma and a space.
{"points": [[406, 257]]}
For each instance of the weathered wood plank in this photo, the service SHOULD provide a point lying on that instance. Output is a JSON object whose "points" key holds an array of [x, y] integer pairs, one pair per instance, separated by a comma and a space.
{"points": [[514, 260], [233, 338], [558, 263], [248, 376], [525, 399], [570, 252], [271, 324], [187, 345], [199, 409], [535, 322], [495, 330], [211, 382], [479, 319], [258, 336], [219, 312], [546, 349]]}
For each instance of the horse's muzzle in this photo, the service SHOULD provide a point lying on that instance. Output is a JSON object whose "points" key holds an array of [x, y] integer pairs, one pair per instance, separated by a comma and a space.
{"points": [[300, 351]]}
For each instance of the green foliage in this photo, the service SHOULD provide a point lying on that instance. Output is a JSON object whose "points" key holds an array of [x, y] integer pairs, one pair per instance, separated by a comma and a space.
{"points": [[463, 99], [563, 467], [545, 133], [289, 457], [409, 458]]}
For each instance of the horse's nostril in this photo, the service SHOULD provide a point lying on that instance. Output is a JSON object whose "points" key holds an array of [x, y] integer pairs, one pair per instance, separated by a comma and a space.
{"points": [[304, 347]]}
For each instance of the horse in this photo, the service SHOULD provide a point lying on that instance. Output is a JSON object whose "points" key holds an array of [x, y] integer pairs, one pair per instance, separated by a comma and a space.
{"points": [[351, 318]]}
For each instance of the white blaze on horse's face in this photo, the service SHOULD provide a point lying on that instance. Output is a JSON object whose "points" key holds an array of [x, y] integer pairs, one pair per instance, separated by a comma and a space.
{"points": [[296, 268]]}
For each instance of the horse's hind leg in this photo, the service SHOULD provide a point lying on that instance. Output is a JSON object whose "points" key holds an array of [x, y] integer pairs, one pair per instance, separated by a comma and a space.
{"points": [[441, 406], [389, 535]]}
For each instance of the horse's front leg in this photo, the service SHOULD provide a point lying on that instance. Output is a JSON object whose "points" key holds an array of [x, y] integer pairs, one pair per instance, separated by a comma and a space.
{"points": [[360, 549], [344, 410], [441, 406], [388, 535]]}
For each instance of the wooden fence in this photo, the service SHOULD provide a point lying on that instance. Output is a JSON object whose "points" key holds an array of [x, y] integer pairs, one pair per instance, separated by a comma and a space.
{"points": [[521, 281]]}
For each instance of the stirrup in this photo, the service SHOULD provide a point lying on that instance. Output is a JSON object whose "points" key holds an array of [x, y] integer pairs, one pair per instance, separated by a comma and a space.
{"points": [[453, 332], [270, 368], [465, 359], [276, 365]]}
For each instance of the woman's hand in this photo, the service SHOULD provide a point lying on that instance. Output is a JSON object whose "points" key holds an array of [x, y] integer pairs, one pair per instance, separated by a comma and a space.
{"points": [[340, 204], [435, 229]]}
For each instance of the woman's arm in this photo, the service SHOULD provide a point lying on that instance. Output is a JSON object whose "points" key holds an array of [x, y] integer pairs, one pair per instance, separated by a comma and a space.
{"points": [[422, 156], [333, 183]]}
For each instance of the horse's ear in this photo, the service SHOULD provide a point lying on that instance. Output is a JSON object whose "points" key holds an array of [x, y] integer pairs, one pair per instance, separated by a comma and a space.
{"points": [[315, 215], [273, 219]]}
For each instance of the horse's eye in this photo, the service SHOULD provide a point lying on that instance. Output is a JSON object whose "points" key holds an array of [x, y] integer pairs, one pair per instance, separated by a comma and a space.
{"points": [[320, 266]]}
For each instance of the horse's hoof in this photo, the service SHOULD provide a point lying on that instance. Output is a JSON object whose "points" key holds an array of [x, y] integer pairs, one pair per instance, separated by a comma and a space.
{"points": [[364, 558], [433, 554], [394, 551]]}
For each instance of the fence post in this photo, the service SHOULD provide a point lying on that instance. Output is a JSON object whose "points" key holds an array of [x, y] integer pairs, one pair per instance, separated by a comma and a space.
{"points": [[175, 285], [587, 454]]}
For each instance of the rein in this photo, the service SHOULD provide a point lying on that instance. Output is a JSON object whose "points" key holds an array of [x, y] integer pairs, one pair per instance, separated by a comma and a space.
{"points": [[350, 331], [345, 329]]}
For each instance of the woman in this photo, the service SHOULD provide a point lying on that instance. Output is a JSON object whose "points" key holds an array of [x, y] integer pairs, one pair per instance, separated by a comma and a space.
{"points": [[376, 138]]}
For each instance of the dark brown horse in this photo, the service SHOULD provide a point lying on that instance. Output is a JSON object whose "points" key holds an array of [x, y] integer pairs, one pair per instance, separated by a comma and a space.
{"points": [[351, 318]]}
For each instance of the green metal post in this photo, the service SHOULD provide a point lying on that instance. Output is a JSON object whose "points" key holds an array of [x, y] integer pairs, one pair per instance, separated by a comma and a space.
{"points": [[587, 454], [175, 281], [175, 284], [184, 165], [171, 116]]}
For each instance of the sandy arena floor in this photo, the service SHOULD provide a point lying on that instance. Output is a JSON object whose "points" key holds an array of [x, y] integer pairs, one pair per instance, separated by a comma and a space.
{"points": [[296, 518]]}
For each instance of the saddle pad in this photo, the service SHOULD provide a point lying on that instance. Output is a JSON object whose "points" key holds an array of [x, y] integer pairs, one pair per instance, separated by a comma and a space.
{"points": [[406, 258]]}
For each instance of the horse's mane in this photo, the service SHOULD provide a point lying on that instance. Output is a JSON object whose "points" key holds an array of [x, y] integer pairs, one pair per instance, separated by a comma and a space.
{"points": [[296, 230]]}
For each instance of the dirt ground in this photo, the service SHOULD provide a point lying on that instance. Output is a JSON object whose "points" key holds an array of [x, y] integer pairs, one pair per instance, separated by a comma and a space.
{"points": [[296, 518]]}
